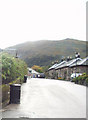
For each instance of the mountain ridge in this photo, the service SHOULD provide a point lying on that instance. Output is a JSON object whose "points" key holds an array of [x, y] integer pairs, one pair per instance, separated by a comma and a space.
{"points": [[44, 52]]}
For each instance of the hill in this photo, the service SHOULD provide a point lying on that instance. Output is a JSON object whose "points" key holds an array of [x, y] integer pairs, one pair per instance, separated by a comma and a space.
{"points": [[44, 52]]}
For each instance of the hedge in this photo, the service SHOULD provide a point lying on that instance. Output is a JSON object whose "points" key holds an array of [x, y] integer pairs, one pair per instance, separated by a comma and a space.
{"points": [[82, 79]]}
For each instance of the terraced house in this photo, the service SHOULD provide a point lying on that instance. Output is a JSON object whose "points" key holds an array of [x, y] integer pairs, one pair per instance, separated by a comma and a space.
{"points": [[64, 69], [80, 66]]}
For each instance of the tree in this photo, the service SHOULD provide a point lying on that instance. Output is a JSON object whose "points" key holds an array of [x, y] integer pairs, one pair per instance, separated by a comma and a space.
{"points": [[37, 68]]}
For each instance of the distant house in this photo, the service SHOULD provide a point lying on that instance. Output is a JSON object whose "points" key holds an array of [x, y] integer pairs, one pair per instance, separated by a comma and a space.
{"points": [[57, 70], [51, 71], [32, 73]]}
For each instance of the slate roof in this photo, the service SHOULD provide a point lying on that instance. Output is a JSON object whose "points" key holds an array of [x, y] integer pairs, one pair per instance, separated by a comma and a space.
{"points": [[82, 62], [67, 64], [33, 71], [58, 65], [52, 67], [70, 63], [55, 66]]}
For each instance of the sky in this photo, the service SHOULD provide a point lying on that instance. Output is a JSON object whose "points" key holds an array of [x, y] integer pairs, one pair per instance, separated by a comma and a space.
{"points": [[32, 20]]}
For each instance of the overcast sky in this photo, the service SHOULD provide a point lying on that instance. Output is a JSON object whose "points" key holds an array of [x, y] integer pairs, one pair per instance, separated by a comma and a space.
{"points": [[31, 20]]}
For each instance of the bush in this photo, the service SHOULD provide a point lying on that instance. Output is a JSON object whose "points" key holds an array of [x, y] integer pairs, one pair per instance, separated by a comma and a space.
{"points": [[73, 80], [82, 79], [87, 81], [76, 80]]}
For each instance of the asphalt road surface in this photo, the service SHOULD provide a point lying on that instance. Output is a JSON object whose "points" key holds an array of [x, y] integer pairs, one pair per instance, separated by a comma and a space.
{"points": [[44, 98]]}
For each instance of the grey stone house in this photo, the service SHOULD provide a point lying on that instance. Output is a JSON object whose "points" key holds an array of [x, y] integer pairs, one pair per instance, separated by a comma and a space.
{"points": [[64, 71], [66, 68], [32, 73], [80, 66], [52, 71]]}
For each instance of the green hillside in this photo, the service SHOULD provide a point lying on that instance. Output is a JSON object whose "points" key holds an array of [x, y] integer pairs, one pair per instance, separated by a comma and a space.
{"points": [[44, 52]]}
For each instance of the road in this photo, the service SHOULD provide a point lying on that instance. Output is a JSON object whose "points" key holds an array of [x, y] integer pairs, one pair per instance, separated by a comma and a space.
{"points": [[44, 98]]}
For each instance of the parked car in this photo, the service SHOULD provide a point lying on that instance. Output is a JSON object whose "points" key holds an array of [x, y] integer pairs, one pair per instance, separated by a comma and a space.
{"points": [[41, 75], [75, 75]]}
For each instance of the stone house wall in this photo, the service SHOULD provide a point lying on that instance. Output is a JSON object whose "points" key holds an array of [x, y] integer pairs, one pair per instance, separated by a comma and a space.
{"points": [[79, 69], [51, 72], [65, 73]]}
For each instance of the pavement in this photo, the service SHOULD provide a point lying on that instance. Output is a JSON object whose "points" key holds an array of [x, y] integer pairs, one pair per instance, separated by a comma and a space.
{"points": [[45, 98]]}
